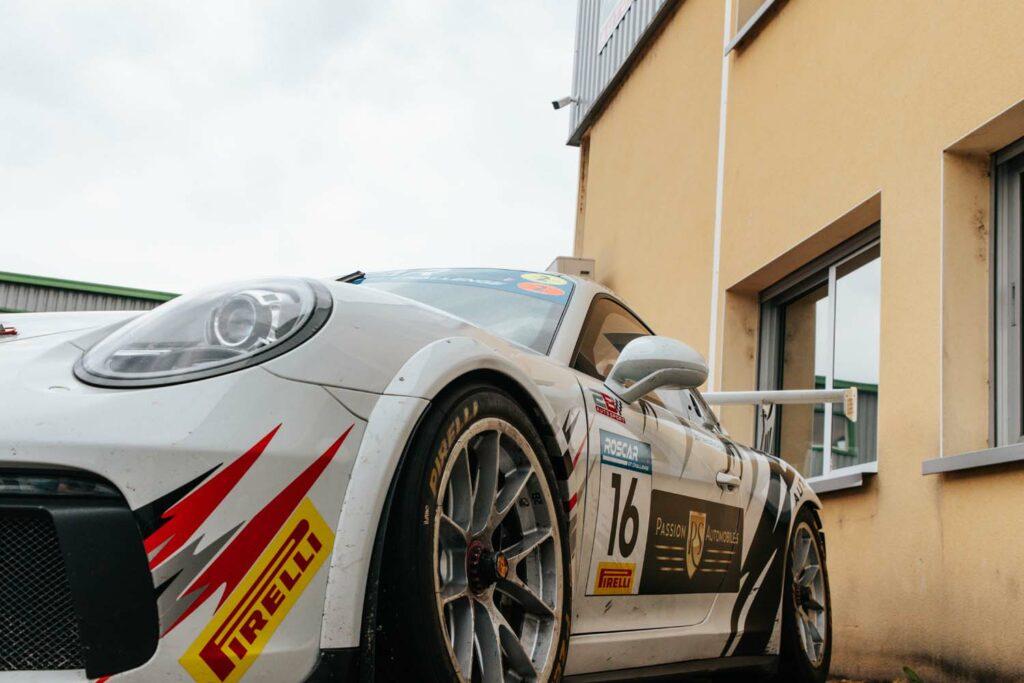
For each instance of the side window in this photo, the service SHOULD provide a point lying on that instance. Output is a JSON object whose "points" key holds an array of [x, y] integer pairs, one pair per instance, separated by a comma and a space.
{"points": [[607, 330]]}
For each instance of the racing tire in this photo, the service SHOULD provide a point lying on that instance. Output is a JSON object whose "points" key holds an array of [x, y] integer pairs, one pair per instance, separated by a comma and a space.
{"points": [[806, 647], [474, 576]]}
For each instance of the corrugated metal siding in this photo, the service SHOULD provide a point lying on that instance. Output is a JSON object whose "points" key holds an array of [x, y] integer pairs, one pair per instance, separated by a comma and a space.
{"points": [[34, 299], [594, 71]]}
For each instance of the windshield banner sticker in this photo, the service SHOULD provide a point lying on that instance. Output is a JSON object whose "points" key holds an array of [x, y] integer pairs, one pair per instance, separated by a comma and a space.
{"points": [[537, 285]]}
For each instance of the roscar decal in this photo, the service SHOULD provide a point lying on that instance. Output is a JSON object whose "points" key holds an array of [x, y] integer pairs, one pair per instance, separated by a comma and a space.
{"points": [[625, 498], [607, 405], [693, 546], [248, 617], [625, 452]]}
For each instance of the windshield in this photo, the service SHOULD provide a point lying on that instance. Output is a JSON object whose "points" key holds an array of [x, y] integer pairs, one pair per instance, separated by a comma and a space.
{"points": [[520, 306]]}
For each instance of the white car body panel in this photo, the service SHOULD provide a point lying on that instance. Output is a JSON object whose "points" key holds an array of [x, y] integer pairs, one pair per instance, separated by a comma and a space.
{"points": [[360, 386]]}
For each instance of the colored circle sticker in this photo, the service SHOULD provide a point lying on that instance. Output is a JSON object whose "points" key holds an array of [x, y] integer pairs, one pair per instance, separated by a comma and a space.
{"points": [[541, 289], [544, 278]]}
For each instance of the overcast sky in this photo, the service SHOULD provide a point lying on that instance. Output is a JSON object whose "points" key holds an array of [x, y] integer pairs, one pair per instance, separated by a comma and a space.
{"points": [[169, 145]]}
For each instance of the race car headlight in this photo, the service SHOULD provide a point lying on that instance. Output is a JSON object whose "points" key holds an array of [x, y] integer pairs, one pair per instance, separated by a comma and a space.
{"points": [[208, 333]]}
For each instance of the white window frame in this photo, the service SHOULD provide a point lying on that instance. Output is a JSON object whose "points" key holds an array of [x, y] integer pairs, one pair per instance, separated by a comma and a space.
{"points": [[1007, 389], [774, 299]]}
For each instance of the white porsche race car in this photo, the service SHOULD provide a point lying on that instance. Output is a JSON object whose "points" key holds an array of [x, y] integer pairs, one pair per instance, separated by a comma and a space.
{"points": [[465, 474]]}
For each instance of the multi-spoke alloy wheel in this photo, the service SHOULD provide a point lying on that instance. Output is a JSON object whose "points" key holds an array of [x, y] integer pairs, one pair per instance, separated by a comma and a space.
{"points": [[473, 577], [809, 598], [498, 577], [806, 648]]}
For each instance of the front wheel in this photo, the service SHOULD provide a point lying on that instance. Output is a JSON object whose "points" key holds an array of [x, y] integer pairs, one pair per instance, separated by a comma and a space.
{"points": [[476, 563], [806, 606]]}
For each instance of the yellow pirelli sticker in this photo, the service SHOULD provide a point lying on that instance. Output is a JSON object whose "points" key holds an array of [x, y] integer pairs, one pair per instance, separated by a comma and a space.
{"points": [[243, 625], [614, 578]]}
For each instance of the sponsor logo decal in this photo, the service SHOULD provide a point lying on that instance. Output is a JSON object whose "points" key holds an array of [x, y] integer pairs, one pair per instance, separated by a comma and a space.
{"points": [[693, 546], [538, 288], [614, 578], [609, 406], [625, 452], [262, 564], [248, 617], [695, 540], [545, 278], [501, 566], [454, 428]]}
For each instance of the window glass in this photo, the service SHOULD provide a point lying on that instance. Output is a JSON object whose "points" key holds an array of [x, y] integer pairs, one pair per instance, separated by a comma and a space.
{"points": [[607, 330], [520, 306], [855, 364], [804, 357], [812, 339], [1006, 259], [745, 9], [609, 327]]}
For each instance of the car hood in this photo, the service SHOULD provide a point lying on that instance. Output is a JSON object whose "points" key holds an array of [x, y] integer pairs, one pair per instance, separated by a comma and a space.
{"points": [[367, 339]]}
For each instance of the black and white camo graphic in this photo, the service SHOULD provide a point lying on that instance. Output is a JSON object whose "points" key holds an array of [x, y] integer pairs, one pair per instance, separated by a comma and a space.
{"points": [[762, 575]]}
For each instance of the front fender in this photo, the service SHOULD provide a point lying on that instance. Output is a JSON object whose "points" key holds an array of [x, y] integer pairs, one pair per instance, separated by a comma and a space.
{"points": [[391, 424], [439, 363], [390, 427]]}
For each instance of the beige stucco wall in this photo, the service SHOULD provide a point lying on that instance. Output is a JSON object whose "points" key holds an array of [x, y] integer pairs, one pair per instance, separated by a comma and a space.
{"points": [[840, 113], [649, 201]]}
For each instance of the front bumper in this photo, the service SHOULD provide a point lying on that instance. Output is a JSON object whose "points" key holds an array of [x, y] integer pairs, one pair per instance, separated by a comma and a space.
{"points": [[217, 478]]}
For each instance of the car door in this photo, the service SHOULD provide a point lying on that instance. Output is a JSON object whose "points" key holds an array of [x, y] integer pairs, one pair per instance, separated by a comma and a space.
{"points": [[661, 535]]}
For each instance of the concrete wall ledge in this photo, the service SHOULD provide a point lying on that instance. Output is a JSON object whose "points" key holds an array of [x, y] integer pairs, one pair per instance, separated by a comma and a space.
{"points": [[847, 478], [966, 461], [845, 481]]}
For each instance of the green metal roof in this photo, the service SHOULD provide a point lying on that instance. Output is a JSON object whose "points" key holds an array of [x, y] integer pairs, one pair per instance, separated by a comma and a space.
{"points": [[819, 383], [93, 288]]}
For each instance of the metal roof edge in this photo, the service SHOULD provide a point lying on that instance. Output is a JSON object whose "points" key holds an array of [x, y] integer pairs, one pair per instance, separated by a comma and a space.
{"points": [[649, 34], [91, 287]]}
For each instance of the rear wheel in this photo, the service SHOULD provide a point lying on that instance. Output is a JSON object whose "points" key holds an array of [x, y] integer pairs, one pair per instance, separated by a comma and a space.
{"points": [[806, 608], [475, 566]]}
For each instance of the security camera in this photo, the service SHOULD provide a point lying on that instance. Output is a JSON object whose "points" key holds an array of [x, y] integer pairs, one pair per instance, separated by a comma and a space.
{"points": [[564, 102]]}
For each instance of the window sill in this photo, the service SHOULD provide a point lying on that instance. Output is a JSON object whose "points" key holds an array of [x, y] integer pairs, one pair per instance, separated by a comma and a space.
{"points": [[842, 479], [968, 461], [753, 25]]}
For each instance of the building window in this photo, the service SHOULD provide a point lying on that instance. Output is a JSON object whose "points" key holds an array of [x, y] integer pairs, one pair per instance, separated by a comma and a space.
{"points": [[820, 329], [750, 17], [745, 10], [612, 13], [1009, 406]]}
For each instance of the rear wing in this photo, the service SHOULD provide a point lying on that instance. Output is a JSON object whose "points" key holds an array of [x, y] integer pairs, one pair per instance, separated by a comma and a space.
{"points": [[767, 400]]}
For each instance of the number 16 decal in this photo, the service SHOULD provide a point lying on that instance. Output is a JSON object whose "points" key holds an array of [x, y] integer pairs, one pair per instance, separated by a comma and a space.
{"points": [[629, 515], [622, 515]]}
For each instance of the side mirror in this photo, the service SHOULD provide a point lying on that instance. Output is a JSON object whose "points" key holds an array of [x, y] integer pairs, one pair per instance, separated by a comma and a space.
{"points": [[648, 363]]}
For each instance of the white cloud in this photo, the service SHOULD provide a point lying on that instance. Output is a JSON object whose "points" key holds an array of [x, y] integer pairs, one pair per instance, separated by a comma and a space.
{"points": [[165, 147]]}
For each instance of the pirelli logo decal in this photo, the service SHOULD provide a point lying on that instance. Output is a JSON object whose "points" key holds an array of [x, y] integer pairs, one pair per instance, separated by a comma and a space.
{"points": [[247, 619], [614, 578]]}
